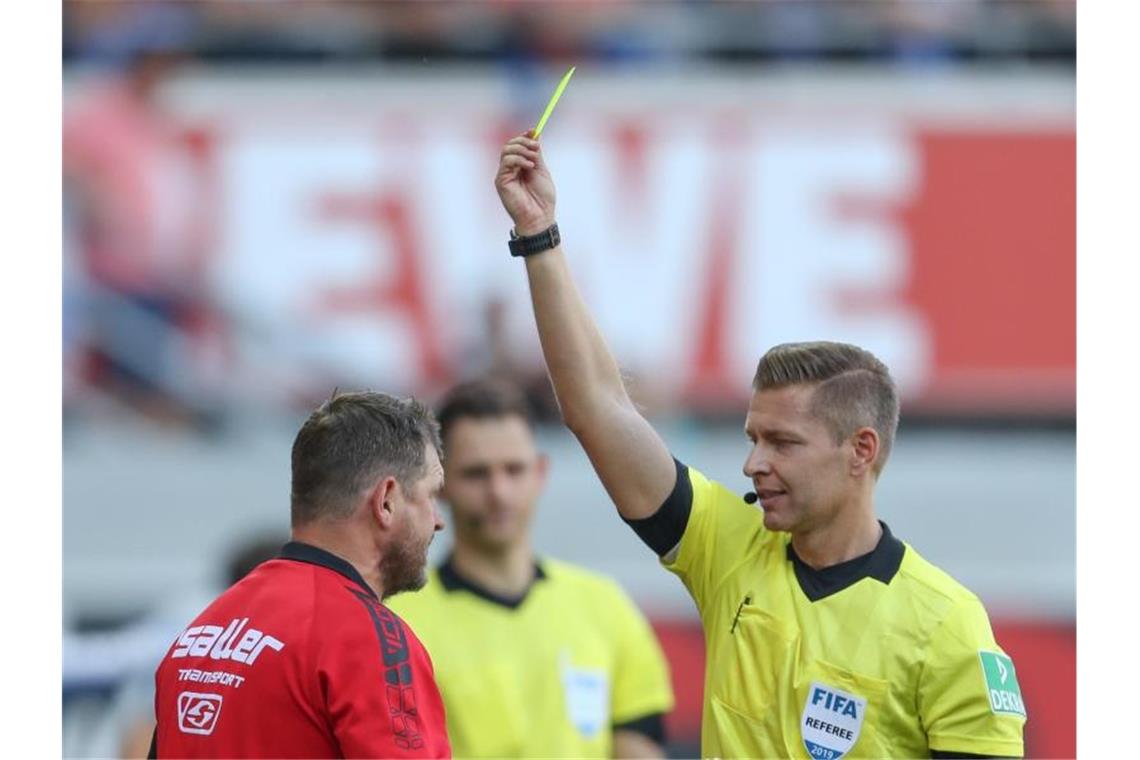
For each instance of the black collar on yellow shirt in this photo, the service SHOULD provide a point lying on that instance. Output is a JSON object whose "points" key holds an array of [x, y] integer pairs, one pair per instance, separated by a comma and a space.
{"points": [[451, 580], [881, 563]]}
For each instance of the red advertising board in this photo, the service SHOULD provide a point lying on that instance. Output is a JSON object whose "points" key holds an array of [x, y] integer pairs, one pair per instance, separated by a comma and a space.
{"points": [[992, 232]]}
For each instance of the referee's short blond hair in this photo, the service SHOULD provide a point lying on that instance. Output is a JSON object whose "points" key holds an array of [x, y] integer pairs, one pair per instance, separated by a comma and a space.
{"points": [[854, 388]]}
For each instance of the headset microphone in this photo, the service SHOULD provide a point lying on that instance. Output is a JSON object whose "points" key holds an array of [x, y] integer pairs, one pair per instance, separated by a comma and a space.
{"points": [[751, 497]]}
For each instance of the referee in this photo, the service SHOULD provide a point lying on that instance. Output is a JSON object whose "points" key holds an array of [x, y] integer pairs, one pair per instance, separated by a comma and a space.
{"points": [[826, 635], [534, 657]]}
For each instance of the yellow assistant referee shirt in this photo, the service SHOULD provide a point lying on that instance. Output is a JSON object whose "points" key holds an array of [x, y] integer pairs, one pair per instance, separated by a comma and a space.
{"points": [[881, 656], [548, 675]]}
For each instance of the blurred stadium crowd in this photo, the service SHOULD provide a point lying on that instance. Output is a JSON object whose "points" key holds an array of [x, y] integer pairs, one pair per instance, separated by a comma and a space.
{"points": [[608, 30]]}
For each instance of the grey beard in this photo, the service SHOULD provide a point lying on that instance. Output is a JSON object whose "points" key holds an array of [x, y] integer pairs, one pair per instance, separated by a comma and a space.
{"points": [[404, 568]]}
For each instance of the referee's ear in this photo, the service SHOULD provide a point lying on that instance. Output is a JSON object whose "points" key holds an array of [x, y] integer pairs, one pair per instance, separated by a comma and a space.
{"points": [[865, 446]]}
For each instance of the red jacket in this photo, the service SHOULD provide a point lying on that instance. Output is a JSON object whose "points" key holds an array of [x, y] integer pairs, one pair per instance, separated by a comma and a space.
{"points": [[298, 659]]}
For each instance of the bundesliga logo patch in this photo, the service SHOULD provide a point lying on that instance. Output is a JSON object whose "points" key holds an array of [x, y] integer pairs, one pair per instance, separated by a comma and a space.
{"points": [[831, 721], [1001, 684]]}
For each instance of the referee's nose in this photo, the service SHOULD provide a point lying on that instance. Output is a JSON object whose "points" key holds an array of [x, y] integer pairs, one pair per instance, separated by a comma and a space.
{"points": [[757, 462]]}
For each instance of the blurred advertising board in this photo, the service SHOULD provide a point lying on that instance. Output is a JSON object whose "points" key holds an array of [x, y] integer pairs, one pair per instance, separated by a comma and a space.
{"points": [[347, 231]]}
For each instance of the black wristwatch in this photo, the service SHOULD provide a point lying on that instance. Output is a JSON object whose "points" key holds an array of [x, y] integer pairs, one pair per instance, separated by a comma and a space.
{"points": [[532, 244]]}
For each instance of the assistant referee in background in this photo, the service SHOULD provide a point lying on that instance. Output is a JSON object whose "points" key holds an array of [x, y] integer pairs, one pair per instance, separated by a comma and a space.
{"points": [[534, 657], [826, 635]]}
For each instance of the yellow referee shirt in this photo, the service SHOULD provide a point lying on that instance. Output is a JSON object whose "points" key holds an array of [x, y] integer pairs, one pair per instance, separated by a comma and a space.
{"points": [[547, 675], [881, 656]]}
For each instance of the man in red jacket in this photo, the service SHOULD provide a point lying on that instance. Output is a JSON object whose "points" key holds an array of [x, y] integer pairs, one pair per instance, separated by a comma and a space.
{"points": [[301, 658]]}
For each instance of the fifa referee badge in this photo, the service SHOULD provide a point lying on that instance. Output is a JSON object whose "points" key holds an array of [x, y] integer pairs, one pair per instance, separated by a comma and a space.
{"points": [[831, 721]]}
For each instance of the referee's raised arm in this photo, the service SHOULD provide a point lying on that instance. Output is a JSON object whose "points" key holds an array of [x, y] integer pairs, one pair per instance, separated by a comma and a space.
{"points": [[630, 458]]}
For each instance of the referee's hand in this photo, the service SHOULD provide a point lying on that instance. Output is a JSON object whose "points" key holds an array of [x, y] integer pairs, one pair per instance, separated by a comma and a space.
{"points": [[525, 186]]}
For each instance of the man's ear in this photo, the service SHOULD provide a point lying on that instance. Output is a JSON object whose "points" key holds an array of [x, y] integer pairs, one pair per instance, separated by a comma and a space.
{"points": [[865, 447], [380, 501]]}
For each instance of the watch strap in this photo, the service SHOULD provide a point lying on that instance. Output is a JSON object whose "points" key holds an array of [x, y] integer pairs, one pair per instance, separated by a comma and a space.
{"points": [[537, 243]]}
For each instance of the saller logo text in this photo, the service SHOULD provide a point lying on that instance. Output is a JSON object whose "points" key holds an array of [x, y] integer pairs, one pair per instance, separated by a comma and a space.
{"points": [[234, 642]]}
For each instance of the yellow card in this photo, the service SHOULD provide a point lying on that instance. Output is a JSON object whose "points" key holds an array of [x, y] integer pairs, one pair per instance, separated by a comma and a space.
{"points": [[553, 101]]}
